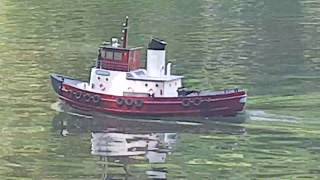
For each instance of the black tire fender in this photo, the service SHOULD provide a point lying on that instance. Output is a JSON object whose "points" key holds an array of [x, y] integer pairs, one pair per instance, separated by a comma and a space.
{"points": [[197, 101], [120, 101], [128, 102], [138, 103], [77, 94], [185, 103], [87, 97], [96, 99]]}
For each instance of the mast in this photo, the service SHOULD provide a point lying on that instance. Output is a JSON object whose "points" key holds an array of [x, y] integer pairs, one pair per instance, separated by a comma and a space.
{"points": [[125, 33]]}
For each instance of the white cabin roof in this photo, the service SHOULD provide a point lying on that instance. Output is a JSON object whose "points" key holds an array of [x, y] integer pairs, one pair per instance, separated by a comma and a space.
{"points": [[141, 74]]}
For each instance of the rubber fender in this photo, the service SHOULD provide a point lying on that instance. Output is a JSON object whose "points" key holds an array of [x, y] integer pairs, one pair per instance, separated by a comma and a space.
{"points": [[138, 103], [129, 102], [87, 97], [96, 99], [120, 101], [77, 95], [197, 102], [186, 103]]}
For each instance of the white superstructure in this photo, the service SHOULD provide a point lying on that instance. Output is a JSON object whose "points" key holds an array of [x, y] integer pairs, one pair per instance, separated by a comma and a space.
{"points": [[155, 81], [137, 83]]}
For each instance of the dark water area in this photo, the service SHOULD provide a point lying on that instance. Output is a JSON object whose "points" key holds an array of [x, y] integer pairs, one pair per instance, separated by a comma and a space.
{"points": [[268, 47]]}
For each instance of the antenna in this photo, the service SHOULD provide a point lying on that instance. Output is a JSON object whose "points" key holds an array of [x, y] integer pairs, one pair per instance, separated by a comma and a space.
{"points": [[125, 33]]}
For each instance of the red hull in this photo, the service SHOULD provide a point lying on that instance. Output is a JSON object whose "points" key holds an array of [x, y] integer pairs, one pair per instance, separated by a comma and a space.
{"points": [[224, 104]]}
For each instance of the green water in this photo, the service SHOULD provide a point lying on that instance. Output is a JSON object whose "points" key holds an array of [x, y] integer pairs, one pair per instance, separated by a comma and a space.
{"points": [[269, 47]]}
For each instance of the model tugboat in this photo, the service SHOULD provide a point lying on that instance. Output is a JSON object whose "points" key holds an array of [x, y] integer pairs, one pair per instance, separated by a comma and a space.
{"points": [[119, 86]]}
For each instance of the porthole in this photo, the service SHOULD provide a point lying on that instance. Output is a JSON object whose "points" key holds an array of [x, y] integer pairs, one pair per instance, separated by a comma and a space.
{"points": [[157, 85], [146, 85], [107, 79]]}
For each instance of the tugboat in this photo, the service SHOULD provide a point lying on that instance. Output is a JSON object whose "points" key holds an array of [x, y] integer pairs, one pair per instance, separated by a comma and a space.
{"points": [[119, 86]]}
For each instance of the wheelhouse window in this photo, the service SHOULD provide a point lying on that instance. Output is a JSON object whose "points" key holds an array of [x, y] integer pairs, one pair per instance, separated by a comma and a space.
{"points": [[113, 58], [117, 56], [109, 55], [103, 54]]}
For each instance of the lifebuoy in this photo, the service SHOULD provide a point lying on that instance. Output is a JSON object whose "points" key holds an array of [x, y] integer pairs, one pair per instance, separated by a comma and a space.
{"points": [[86, 97], [96, 99], [197, 102], [120, 101], [185, 103], [138, 103], [128, 102], [77, 95]]}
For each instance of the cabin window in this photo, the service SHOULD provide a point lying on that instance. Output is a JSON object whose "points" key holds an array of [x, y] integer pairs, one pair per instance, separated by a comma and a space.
{"points": [[117, 56], [146, 85], [112, 55], [103, 54], [157, 85], [107, 79], [109, 55]]}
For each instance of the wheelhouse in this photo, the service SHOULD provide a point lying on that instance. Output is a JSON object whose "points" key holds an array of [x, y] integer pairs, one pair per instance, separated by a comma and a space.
{"points": [[119, 59], [114, 57]]}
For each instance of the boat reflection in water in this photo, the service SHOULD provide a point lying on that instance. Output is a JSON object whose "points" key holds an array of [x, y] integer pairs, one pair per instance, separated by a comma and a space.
{"points": [[134, 148], [121, 144]]}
